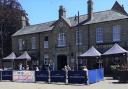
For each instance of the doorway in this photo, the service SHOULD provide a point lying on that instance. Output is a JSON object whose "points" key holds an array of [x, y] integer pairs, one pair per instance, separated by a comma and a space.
{"points": [[61, 61]]}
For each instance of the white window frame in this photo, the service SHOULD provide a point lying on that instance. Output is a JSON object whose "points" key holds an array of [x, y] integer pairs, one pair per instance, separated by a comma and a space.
{"points": [[46, 45], [46, 59], [61, 40], [99, 35], [78, 37], [20, 44], [116, 30], [33, 41]]}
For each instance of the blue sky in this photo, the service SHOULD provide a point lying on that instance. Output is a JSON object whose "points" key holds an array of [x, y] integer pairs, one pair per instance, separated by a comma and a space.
{"points": [[40, 11]]}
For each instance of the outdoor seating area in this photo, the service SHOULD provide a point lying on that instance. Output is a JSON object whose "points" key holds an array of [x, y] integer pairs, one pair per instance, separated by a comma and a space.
{"points": [[69, 77], [95, 65]]}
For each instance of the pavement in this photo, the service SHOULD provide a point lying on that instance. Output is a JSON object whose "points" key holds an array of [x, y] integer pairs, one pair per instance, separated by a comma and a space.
{"points": [[107, 83]]}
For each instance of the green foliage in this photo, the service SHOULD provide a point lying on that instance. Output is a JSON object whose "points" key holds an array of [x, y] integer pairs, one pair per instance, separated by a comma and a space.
{"points": [[10, 21]]}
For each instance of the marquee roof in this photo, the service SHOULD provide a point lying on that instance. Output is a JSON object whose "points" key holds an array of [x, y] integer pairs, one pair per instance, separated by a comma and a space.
{"points": [[116, 49], [25, 55], [12, 56], [92, 52]]}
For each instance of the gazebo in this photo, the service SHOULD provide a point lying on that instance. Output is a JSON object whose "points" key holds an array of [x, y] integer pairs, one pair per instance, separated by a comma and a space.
{"points": [[92, 58], [9, 58], [114, 56], [24, 58]]}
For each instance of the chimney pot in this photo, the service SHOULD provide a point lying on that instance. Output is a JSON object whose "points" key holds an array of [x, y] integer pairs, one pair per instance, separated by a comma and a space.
{"points": [[90, 9], [62, 12], [23, 19]]}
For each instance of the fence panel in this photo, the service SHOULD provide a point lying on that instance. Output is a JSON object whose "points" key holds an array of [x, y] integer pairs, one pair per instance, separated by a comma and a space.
{"points": [[77, 77], [58, 76], [100, 74], [41, 76], [92, 76], [0, 75], [6, 75]]}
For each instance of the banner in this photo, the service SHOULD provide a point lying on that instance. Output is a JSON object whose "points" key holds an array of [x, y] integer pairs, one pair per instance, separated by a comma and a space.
{"points": [[24, 76]]}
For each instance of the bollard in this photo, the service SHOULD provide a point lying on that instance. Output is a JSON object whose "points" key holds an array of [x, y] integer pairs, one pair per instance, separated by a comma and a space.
{"points": [[66, 77], [1, 75], [49, 76]]}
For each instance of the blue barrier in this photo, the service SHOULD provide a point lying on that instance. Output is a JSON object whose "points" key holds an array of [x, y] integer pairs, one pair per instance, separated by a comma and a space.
{"points": [[58, 76], [41, 76], [77, 77], [100, 74], [6, 75], [92, 76], [95, 75]]}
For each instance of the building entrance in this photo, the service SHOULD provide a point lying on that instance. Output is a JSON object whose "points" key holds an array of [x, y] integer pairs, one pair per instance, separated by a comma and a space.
{"points": [[61, 61]]}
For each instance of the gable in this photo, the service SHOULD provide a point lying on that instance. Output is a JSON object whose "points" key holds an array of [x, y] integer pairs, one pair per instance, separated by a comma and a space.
{"points": [[117, 7]]}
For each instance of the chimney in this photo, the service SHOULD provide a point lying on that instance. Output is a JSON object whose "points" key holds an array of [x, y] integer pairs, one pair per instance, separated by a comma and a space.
{"points": [[90, 9], [23, 19], [62, 12]]}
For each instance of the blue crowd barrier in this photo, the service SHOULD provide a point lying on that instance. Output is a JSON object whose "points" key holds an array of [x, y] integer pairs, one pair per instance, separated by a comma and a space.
{"points": [[100, 74], [7, 75], [95, 75], [41, 76], [58, 76], [77, 77], [92, 76]]}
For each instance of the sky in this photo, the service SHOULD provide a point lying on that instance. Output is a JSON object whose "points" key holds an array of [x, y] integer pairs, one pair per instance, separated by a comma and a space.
{"points": [[40, 11]]}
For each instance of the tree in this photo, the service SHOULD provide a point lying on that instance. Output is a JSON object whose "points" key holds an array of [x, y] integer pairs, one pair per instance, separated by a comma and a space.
{"points": [[10, 21]]}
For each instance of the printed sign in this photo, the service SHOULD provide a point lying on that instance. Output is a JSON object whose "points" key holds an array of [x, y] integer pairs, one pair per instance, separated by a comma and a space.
{"points": [[24, 76]]}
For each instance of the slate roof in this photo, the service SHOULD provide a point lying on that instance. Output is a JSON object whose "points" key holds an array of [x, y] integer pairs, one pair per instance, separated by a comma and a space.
{"points": [[35, 29], [101, 16]]}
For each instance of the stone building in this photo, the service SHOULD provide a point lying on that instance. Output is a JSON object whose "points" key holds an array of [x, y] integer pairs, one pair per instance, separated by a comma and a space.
{"points": [[59, 42]]}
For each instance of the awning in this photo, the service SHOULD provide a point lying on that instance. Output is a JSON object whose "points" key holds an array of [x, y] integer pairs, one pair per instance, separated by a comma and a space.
{"points": [[92, 52], [25, 55], [116, 49], [12, 56]]}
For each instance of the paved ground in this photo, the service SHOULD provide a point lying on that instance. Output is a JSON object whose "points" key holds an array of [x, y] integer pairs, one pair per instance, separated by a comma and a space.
{"points": [[108, 83]]}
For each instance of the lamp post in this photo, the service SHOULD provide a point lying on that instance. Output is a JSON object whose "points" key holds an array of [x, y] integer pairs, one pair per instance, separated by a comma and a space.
{"points": [[77, 62], [1, 35], [99, 61]]}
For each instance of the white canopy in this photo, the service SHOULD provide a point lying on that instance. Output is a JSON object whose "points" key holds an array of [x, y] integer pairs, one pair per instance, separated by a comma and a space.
{"points": [[92, 52], [12, 56], [25, 55], [116, 49]]}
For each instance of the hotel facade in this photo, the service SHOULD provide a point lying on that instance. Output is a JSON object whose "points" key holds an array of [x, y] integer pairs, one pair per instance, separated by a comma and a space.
{"points": [[60, 42]]}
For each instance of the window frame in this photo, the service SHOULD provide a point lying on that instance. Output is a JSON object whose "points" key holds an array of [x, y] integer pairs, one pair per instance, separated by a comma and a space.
{"points": [[78, 37], [33, 43], [99, 35], [20, 44], [61, 40], [116, 33]]}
